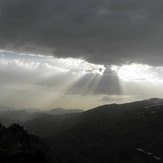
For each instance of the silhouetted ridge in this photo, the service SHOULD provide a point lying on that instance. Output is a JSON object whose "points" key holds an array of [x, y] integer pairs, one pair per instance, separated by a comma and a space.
{"points": [[116, 133], [124, 133], [17, 146]]}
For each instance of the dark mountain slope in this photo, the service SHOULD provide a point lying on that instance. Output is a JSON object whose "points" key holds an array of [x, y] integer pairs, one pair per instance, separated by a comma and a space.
{"points": [[127, 133], [47, 126], [17, 146]]}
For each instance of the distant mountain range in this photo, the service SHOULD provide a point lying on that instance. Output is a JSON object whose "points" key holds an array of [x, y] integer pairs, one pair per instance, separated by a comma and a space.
{"points": [[11, 115], [59, 111], [124, 133]]}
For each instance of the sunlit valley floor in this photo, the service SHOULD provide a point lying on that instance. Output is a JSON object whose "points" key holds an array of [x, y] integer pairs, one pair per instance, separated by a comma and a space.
{"points": [[115, 133]]}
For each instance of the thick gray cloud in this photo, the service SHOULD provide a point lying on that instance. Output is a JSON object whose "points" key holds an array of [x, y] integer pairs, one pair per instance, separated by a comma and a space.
{"points": [[105, 31]]}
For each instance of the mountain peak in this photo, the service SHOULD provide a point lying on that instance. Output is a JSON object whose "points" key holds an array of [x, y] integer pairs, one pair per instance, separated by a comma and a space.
{"points": [[158, 100]]}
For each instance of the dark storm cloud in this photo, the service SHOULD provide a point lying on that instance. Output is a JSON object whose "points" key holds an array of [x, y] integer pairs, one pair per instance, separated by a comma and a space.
{"points": [[105, 31]]}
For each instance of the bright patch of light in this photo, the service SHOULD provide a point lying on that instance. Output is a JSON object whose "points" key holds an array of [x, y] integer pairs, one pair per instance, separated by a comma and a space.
{"points": [[50, 64], [138, 73], [79, 65]]}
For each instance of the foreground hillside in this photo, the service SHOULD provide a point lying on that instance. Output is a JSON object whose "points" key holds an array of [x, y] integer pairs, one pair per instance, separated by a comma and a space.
{"points": [[17, 146], [125, 133]]}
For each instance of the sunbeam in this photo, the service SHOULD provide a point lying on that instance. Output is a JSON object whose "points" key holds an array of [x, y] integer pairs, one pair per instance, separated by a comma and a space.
{"points": [[144, 81], [45, 79]]}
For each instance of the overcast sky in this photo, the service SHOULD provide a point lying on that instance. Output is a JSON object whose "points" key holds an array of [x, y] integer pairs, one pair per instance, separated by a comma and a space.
{"points": [[80, 53]]}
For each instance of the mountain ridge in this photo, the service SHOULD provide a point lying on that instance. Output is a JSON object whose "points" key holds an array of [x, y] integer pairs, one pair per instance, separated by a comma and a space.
{"points": [[115, 133]]}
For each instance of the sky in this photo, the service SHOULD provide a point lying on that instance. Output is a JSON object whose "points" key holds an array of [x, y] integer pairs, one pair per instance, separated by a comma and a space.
{"points": [[80, 53]]}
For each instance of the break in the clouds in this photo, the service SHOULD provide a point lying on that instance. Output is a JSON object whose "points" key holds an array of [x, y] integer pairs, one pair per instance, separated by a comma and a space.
{"points": [[103, 32], [46, 82]]}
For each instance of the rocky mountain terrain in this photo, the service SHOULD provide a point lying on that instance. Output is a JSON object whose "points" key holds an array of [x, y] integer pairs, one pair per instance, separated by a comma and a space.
{"points": [[127, 133], [116, 133], [17, 146]]}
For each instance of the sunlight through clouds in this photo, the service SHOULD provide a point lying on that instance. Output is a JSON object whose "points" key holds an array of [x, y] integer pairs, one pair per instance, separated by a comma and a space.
{"points": [[139, 73], [49, 63], [44, 81], [139, 81], [45, 78]]}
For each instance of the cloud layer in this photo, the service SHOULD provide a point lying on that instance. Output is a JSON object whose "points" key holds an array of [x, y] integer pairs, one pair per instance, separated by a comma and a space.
{"points": [[103, 32], [44, 82]]}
